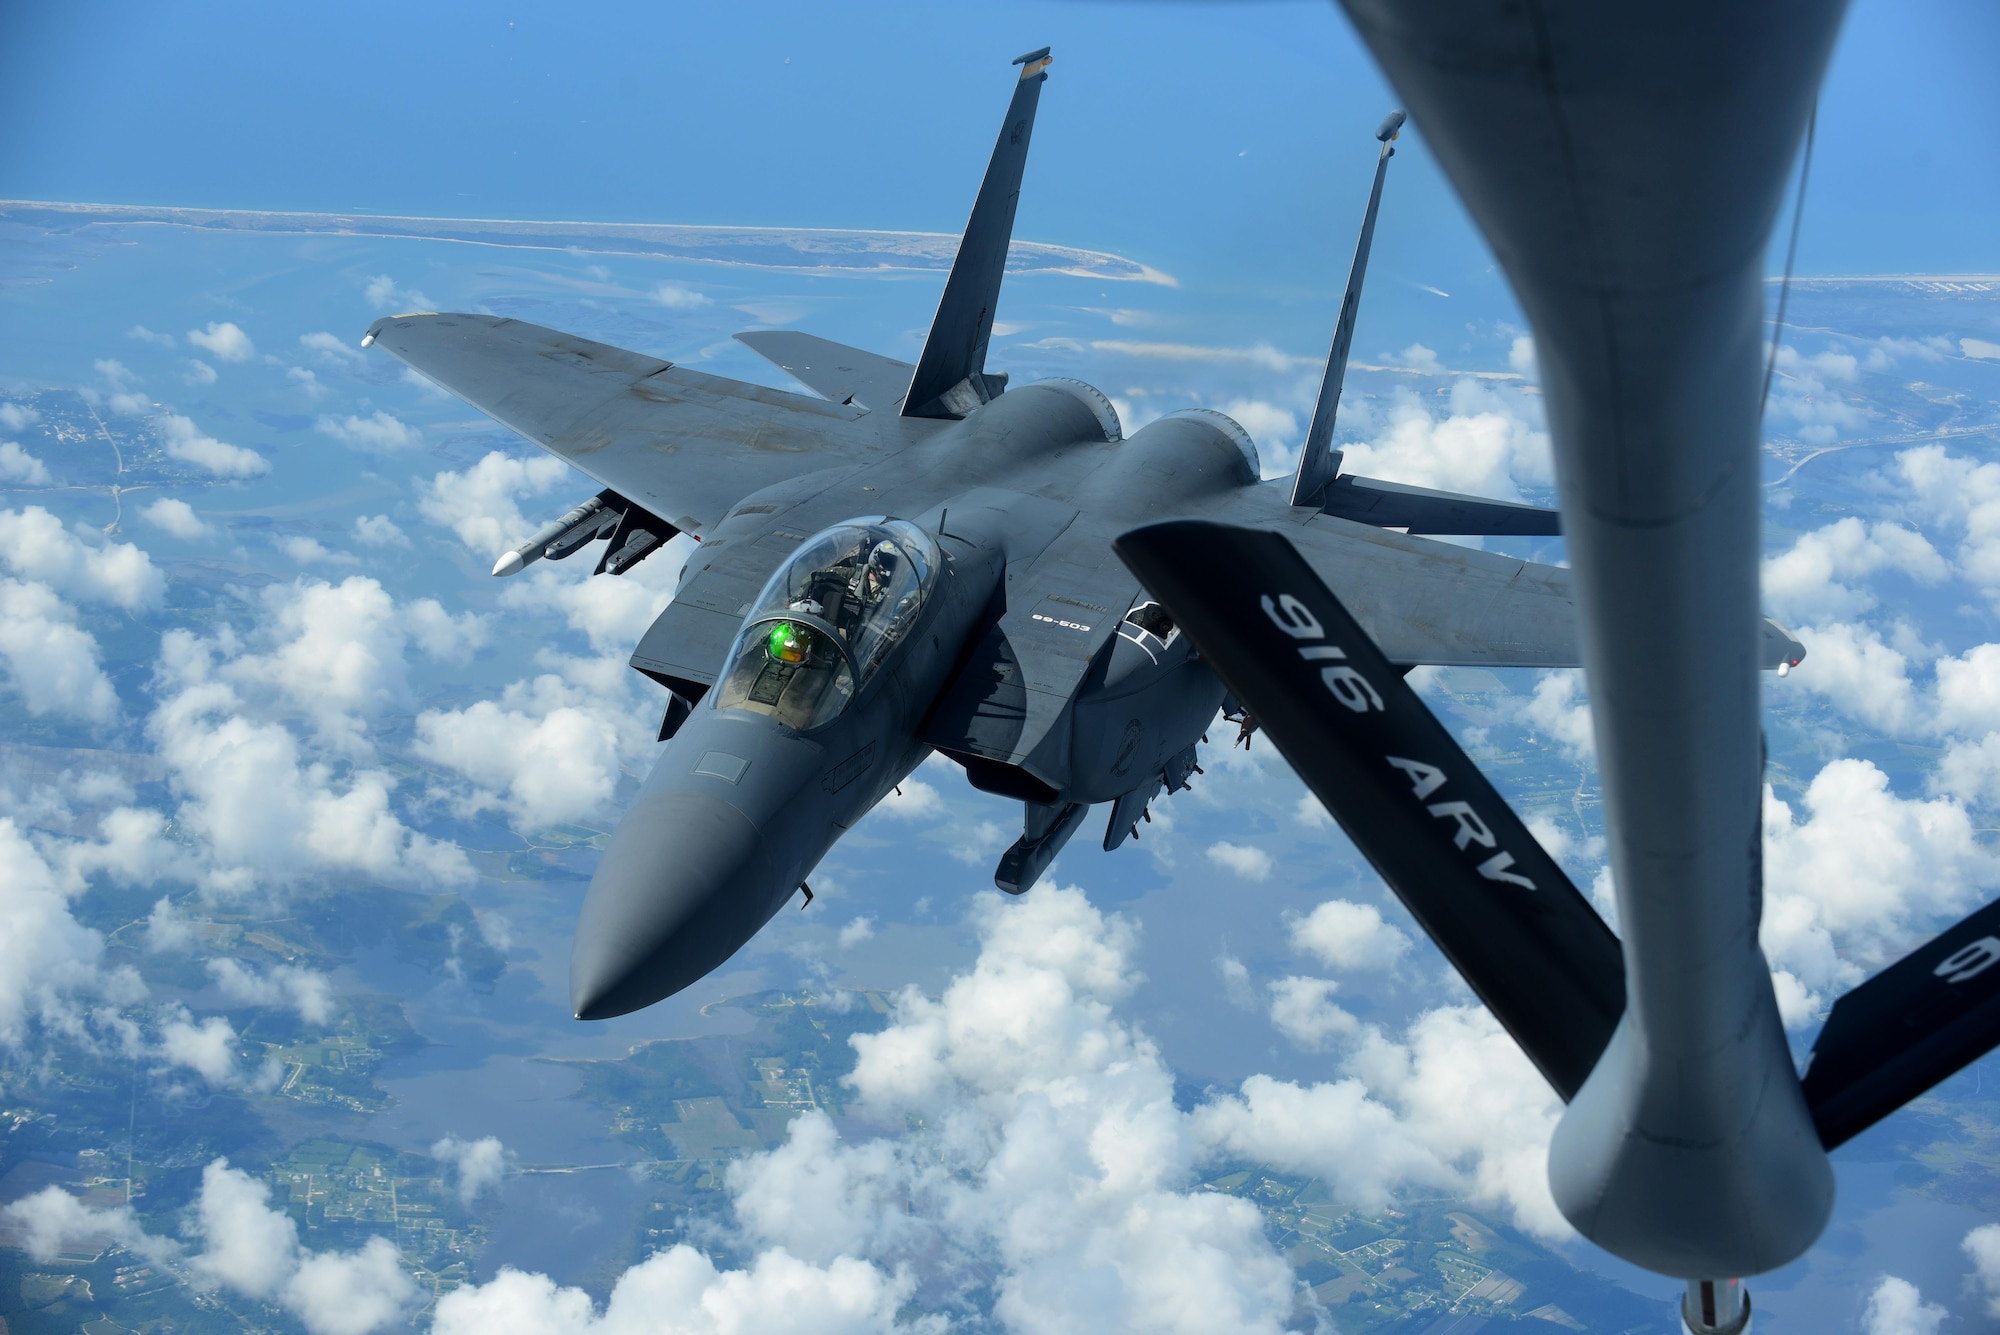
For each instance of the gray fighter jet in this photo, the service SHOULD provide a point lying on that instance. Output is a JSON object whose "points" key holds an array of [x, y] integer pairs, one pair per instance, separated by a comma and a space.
{"points": [[919, 558]]}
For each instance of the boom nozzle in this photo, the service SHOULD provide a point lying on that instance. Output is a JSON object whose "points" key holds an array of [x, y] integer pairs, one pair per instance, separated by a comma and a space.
{"points": [[1392, 125]]}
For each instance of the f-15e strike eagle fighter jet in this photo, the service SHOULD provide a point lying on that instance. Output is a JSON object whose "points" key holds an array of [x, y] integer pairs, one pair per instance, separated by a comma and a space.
{"points": [[915, 560], [919, 558]]}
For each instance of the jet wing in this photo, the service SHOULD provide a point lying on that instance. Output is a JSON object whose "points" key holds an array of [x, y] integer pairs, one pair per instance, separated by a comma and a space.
{"points": [[684, 445], [832, 370]]}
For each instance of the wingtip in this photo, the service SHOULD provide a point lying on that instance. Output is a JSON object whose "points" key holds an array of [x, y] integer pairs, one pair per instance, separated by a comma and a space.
{"points": [[1034, 62]]}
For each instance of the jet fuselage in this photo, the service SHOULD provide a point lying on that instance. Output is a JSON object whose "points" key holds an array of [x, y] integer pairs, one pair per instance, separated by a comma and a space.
{"points": [[781, 758]]}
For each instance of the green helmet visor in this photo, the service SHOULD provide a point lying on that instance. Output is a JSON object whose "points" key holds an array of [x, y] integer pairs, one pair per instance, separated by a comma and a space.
{"points": [[789, 642]]}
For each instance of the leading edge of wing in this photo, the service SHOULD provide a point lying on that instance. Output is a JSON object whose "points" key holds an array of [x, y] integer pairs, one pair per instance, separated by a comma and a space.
{"points": [[684, 444]]}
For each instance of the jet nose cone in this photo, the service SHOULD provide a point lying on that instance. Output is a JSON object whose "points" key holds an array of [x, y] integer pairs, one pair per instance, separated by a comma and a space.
{"points": [[684, 883]]}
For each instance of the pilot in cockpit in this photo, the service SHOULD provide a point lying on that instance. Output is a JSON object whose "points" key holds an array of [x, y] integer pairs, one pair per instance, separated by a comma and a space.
{"points": [[846, 602], [879, 574], [845, 596]]}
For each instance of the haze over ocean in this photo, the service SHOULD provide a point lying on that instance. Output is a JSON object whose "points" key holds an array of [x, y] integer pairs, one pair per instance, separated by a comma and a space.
{"points": [[297, 803]]}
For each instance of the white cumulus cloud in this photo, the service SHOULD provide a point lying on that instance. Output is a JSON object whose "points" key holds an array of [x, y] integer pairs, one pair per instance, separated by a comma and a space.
{"points": [[1863, 875], [289, 986], [1046, 1163], [478, 1164], [186, 442], [17, 465], [1897, 1308], [1960, 494], [1862, 675], [206, 1047], [547, 751], [51, 1221], [384, 295], [1455, 1105], [375, 433], [1982, 1247], [35, 545], [176, 518], [379, 531], [1242, 860], [1814, 579], [1804, 391], [1558, 711], [51, 662], [679, 297], [1346, 935], [1968, 691], [224, 340], [1482, 445], [1303, 1010], [680, 1290], [247, 1247], [264, 809], [44, 951], [481, 505]]}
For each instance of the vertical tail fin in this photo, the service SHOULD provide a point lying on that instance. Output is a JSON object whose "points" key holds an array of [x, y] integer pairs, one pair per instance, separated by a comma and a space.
{"points": [[1319, 462], [951, 378]]}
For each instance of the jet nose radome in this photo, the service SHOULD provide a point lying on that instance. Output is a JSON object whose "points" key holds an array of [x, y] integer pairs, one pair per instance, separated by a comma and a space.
{"points": [[684, 882]]}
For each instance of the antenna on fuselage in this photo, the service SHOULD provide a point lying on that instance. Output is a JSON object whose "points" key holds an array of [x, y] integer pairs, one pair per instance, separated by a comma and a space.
{"points": [[950, 379], [1319, 462]]}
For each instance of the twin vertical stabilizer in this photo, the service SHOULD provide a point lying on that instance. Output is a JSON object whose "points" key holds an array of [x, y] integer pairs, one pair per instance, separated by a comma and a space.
{"points": [[1319, 462], [951, 379]]}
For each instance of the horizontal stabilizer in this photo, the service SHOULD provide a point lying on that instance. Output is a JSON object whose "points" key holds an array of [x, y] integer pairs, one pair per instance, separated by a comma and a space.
{"points": [[1461, 861], [1368, 500], [1425, 601], [1922, 1019], [832, 370]]}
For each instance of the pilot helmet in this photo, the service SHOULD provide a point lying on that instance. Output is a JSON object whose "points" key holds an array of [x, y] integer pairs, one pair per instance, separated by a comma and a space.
{"points": [[883, 559], [789, 642]]}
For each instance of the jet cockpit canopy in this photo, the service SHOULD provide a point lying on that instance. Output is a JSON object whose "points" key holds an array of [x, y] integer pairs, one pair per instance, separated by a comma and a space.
{"points": [[827, 620]]}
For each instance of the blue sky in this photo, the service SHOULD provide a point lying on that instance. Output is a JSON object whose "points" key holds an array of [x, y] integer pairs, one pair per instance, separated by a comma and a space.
{"points": [[1217, 141]]}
